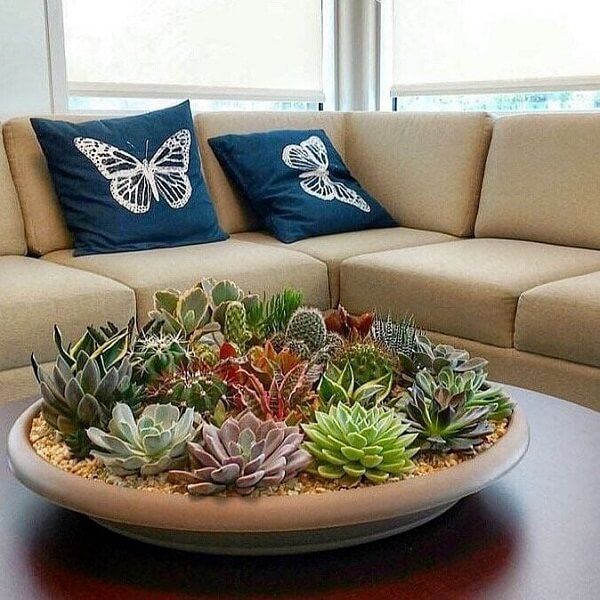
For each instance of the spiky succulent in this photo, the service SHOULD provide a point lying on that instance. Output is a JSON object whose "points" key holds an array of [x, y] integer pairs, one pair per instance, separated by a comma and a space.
{"points": [[307, 325], [340, 385], [299, 348], [82, 394], [207, 353], [367, 360], [277, 311], [442, 419], [242, 455], [286, 396], [154, 443], [187, 314], [478, 392], [107, 344], [350, 443], [192, 384], [397, 337], [157, 353]]}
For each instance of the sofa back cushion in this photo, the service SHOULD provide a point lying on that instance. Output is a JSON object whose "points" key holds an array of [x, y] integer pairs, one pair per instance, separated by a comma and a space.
{"points": [[233, 211], [542, 180], [45, 227], [424, 168], [12, 235]]}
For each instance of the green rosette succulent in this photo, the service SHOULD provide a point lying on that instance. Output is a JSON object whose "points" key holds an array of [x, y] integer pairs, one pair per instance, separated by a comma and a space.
{"points": [[435, 358], [340, 385], [154, 443], [157, 353], [351, 443], [473, 384], [443, 421], [81, 395]]}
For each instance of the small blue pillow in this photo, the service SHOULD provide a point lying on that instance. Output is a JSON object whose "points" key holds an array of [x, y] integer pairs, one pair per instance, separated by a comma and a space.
{"points": [[297, 184], [131, 183]]}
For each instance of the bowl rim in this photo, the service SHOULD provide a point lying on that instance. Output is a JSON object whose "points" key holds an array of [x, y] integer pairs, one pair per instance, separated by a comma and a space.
{"points": [[101, 500]]}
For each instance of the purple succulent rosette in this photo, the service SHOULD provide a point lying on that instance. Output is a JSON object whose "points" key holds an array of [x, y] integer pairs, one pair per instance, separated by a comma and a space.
{"points": [[243, 454]]}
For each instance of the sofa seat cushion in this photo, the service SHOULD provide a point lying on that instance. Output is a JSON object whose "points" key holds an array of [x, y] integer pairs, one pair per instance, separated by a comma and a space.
{"points": [[333, 249], [562, 320], [467, 288], [254, 267], [37, 294]]}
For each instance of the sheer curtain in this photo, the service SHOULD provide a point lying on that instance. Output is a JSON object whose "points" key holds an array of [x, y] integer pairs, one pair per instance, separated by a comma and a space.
{"points": [[242, 49], [470, 46]]}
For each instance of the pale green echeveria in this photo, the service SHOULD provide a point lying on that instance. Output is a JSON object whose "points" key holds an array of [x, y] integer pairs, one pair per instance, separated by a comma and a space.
{"points": [[154, 443], [349, 443]]}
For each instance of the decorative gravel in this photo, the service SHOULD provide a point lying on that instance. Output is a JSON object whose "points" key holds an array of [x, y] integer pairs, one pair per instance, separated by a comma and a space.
{"points": [[46, 442]]}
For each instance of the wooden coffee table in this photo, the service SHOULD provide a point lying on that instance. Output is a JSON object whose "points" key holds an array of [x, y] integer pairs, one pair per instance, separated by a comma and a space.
{"points": [[535, 534]]}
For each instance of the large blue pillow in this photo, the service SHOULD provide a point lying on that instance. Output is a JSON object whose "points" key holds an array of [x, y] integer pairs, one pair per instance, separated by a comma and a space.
{"points": [[297, 184], [131, 183]]}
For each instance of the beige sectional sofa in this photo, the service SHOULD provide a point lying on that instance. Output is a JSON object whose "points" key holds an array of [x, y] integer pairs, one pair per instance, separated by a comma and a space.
{"points": [[498, 251]]}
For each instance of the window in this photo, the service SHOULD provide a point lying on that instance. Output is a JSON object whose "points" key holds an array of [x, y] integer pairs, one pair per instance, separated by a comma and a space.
{"points": [[121, 55], [498, 56]]}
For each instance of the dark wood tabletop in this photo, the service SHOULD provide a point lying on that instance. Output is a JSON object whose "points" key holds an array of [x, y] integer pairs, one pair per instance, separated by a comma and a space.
{"points": [[535, 534]]}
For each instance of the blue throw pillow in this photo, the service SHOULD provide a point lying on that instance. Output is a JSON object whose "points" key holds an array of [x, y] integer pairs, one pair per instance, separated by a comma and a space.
{"points": [[131, 183], [297, 184]]}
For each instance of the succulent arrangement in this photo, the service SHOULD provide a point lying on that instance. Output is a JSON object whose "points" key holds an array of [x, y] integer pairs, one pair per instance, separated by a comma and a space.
{"points": [[226, 392]]}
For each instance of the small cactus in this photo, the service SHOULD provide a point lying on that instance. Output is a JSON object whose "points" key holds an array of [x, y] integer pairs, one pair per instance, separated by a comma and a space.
{"points": [[299, 348], [235, 328], [308, 326]]}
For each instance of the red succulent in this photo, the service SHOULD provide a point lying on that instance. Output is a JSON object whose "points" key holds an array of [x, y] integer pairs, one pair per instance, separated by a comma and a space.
{"points": [[340, 321]]}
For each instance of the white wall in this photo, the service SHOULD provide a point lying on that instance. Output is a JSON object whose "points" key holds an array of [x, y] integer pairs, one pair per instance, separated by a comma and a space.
{"points": [[24, 62]]}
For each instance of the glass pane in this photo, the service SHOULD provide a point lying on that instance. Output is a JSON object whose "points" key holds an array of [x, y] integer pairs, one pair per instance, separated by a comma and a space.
{"points": [[97, 104], [498, 103]]}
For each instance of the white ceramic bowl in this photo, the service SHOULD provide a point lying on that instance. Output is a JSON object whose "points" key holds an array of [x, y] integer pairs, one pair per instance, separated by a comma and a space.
{"points": [[269, 524]]}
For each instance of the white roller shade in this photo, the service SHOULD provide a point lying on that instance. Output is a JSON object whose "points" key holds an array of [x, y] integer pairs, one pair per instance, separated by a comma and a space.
{"points": [[469, 46], [252, 49]]}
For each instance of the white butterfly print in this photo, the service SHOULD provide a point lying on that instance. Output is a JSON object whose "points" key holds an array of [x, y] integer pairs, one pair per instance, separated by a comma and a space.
{"points": [[310, 157], [133, 182]]}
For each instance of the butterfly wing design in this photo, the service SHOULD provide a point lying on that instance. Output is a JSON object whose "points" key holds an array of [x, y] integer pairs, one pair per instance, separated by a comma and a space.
{"points": [[132, 192], [129, 185], [310, 157], [347, 195], [169, 168]]}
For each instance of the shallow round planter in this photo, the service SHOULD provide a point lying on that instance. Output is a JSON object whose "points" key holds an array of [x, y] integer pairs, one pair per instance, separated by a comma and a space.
{"points": [[269, 524]]}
